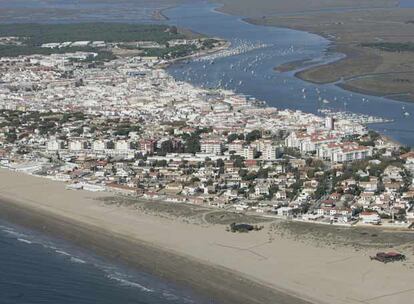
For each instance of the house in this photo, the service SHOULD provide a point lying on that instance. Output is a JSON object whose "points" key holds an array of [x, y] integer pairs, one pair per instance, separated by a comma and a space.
{"points": [[393, 186], [369, 217], [371, 185], [197, 200], [323, 211], [328, 203], [280, 195], [123, 189], [366, 198], [284, 211], [393, 172], [262, 189], [174, 188]]}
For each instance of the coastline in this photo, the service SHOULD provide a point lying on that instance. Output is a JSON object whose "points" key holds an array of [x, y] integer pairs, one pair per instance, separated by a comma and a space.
{"points": [[213, 283], [226, 45], [158, 14], [259, 267], [357, 61]]}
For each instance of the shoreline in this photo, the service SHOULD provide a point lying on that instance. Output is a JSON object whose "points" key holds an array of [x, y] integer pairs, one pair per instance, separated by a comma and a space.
{"points": [[226, 45], [210, 282], [334, 47], [258, 267], [158, 14], [216, 284]]}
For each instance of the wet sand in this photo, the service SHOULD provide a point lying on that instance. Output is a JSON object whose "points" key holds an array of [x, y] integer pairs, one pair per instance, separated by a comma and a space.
{"points": [[258, 267]]}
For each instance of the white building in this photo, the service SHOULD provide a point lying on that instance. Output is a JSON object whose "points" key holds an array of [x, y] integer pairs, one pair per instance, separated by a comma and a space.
{"points": [[370, 218], [98, 146], [249, 152], [122, 146], [343, 152], [270, 152], [329, 123], [209, 146], [309, 142], [76, 145], [237, 147], [54, 145]]}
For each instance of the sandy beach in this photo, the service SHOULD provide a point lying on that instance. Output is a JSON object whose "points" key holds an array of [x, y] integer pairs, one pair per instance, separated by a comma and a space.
{"points": [[259, 267]]}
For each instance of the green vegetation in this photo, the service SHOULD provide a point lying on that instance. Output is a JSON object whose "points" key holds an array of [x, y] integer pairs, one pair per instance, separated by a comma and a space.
{"points": [[31, 36], [24, 50], [391, 46], [253, 135], [171, 52], [210, 43], [34, 34], [243, 228]]}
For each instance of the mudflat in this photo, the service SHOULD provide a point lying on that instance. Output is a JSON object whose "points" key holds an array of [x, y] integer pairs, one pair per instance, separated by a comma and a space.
{"points": [[270, 7], [377, 38], [282, 263]]}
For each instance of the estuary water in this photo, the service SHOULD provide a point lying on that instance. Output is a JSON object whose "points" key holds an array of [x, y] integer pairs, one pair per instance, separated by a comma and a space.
{"points": [[36, 269], [406, 3], [258, 50]]}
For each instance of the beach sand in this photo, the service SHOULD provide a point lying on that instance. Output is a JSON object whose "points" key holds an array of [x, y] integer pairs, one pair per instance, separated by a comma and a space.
{"points": [[258, 267]]}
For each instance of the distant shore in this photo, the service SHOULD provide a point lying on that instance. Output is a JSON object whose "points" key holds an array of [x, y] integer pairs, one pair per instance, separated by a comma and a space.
{"points": [[258, 267], [358, 61], [158, 14]]}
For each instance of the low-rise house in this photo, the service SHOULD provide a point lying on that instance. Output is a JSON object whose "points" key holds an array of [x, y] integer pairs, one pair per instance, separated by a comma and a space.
{"points": [[371, 185], [285, 211], [369, 217]]}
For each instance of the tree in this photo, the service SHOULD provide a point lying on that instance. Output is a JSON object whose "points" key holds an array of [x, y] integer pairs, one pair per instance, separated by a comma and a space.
{"points": [[272, 190], [263, 173], [174, 30], [192, 144], [253, 135], [220, 163], [238, 161], [161, 163], [232, 137], [166, 147], [11, 137]]}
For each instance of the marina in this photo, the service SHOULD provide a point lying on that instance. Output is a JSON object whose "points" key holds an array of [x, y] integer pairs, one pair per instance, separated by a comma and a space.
{"points": [[251, 72]]}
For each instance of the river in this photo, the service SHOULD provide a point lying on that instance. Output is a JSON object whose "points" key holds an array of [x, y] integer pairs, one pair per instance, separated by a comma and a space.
{"points": [[252, 72]]}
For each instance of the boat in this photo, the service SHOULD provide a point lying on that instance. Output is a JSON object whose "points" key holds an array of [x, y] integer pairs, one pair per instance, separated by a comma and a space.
{"points": [[325, 101], [406, 113]]}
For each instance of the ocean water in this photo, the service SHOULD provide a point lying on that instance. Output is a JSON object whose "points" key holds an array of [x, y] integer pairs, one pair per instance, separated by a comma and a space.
{"points": [[36, 269]]}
